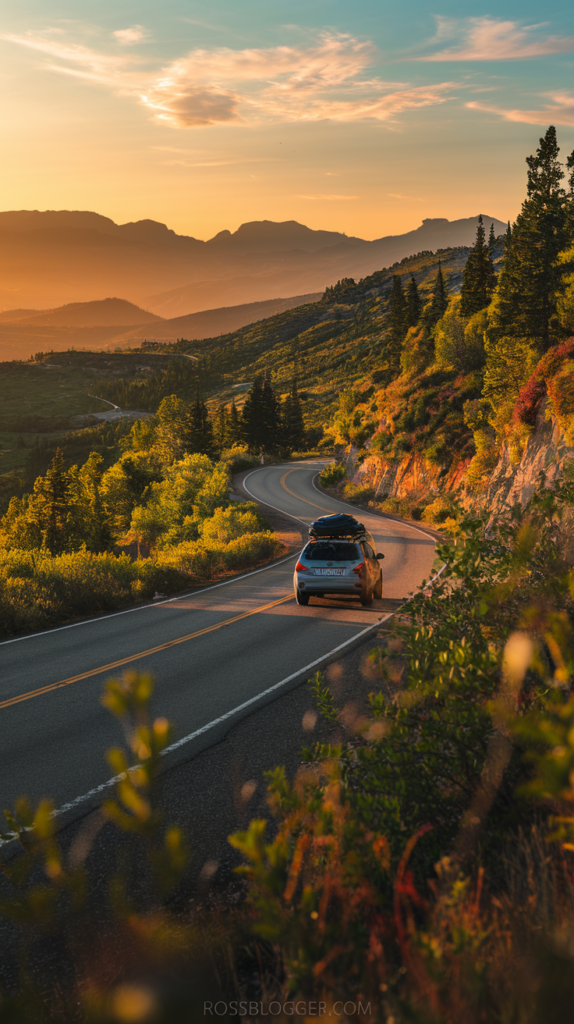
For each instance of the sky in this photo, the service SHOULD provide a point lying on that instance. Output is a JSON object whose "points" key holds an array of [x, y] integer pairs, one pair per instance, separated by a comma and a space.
{"points": [[360, 117]]}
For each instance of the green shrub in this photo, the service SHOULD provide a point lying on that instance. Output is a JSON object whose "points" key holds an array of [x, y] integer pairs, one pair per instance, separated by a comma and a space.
{"points": [[38, 589], [408, 508], [332, 474], [443, 509], [357, 494], [204, 560], [228, 524]]}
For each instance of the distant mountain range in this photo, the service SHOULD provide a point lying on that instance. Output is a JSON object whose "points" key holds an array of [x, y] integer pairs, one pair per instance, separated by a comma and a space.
{"points": [[52, 258], [110, 323], [102, 313]]}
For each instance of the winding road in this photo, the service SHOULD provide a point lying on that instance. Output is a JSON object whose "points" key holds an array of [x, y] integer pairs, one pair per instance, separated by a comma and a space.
{"points": [[216, 654]]}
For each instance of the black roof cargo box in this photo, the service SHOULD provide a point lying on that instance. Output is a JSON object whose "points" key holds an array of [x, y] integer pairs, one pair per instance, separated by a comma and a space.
{"points": [[338, 525]]}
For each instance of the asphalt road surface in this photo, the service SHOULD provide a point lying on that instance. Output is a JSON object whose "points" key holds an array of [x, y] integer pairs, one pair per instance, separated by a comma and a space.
{"points": [[216, 650]]}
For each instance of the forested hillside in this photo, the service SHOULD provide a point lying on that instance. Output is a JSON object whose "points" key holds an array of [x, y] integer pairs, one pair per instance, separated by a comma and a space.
{"points": [[472, 384], [346, 337]]}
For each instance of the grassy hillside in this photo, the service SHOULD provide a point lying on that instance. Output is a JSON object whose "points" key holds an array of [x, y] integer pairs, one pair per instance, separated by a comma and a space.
{"points": [[50, 402], [331, 345], [112, 323]]}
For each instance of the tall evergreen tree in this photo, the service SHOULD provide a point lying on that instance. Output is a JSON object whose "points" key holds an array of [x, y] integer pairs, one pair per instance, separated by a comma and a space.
{"points": [[199, 433], [414, 305], [221, 427], [270, 413], [95, 523], [439, 303], [491, 250], [529, 282], [51, 508], [172, 417], [252, 419], [233, 425], [477, 276], [292, 426]]}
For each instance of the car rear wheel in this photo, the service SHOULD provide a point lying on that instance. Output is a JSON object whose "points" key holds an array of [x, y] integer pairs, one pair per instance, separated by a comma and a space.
{"points": [[301, 598], [367, 598], [378, 591]]}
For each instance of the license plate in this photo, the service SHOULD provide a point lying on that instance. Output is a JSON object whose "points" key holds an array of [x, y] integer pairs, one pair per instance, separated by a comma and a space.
{"points": [[329, 572]]}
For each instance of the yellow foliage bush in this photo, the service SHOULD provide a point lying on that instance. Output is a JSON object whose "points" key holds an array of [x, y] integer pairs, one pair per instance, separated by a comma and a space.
{"points": [[227, 524]]}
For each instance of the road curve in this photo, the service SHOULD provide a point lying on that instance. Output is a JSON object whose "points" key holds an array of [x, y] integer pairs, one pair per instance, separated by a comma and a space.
{"points": [[224, 647]]}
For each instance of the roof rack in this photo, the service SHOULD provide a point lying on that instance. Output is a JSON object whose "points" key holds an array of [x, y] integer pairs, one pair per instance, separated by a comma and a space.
{"points": [[338, 526], [337, 536]]}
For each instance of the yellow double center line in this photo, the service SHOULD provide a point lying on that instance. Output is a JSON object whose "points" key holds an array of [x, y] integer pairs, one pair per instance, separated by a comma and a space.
{"points": [[142, 654], [298, 496]]}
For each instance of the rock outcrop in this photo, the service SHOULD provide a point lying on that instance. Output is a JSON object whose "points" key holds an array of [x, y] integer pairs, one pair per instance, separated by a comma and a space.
{"points": [[546, 451], [416, 478]]}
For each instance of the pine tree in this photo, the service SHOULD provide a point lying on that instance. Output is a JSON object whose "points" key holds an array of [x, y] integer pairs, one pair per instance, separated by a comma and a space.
{"points": [[171, 428], [491, 239], [477, 276], [233, 426], [439, 303], [270, 414], [252, 419], [221, 427], [529, 282], [292, 426], [414, 305], [491, 250], [51, 508], [199, 433], [95, 525]]}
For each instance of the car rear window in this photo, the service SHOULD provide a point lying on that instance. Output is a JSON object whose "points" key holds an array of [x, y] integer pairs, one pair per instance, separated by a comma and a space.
{"points": [[324, 552]]}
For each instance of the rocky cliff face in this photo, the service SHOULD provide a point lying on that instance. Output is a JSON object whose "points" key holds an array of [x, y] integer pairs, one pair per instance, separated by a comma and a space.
{"points": [[413, 477], [546, 452], [416, 478]]}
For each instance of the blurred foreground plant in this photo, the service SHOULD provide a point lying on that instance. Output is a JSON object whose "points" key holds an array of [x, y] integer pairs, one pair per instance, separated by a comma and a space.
{"points": [[79, 953]]}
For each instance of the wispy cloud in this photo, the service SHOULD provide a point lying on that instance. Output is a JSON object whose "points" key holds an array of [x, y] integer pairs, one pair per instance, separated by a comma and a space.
{"points": [[559, 111], [326, 80], [487, 38], [204, 24], [398, 195], [130, 36], [327, 197]]}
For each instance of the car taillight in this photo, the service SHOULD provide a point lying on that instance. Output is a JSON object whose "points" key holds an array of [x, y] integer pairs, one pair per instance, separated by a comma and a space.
{"points": [[301, 568], [359, 569]]}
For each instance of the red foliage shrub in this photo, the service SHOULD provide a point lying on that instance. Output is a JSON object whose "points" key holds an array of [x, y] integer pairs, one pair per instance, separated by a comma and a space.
{"points": [[535, 390]]}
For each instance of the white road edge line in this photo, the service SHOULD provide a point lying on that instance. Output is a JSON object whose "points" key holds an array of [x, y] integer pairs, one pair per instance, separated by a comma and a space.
{"points": [[222, 718], [142, 608], [229, 714], [241, 707], [261, 502], [355, 508], [169, 600]]}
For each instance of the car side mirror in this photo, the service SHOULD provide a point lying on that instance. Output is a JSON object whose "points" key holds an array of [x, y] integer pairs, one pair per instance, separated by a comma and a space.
{"points": [[379, 555]]}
